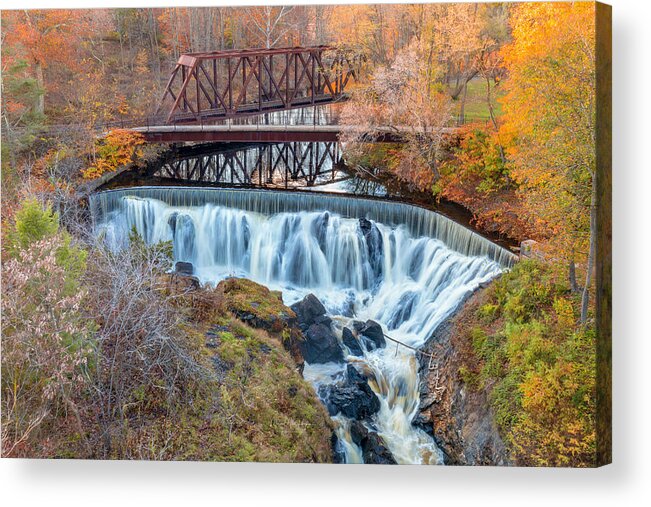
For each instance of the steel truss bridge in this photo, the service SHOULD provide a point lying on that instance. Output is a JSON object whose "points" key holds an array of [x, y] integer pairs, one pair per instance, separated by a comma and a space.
{"points": [[216, 85]]}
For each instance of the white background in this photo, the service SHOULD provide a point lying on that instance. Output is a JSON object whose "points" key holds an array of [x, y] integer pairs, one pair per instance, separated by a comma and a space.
{"points": [[626, 482]]}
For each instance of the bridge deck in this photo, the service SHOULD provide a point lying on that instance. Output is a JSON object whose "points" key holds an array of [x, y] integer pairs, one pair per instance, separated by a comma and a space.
{"points": [[256, 133], [254, 109], [240, 133]]}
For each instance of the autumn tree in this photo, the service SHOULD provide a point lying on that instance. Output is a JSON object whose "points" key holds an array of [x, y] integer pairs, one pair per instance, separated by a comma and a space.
{"points": [[119, 147], [404, 98], [464, 37], [45, 39], [364, 29], [549, 114], [269, 25]]}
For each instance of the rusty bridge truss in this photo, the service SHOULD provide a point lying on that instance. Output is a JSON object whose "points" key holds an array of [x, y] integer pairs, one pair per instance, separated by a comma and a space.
{"points": [[204, 87], [268, 164]]}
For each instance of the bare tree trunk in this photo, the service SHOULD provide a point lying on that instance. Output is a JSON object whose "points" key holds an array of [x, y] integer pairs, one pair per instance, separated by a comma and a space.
{"points": [[178, 30], [319, 24], [585, 298], [462, 110], [491, 112], [489, 102], [574, 287], [153, 40], [40, 104], [462, 81], [222, 42], [379, 33]]}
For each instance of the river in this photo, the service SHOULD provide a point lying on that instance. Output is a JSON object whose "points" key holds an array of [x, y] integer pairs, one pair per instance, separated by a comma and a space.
{"points": [[408, 272]]}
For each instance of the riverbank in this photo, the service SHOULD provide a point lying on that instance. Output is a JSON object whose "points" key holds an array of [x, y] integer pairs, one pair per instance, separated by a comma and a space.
{"points": [[458, 415], [151, 365], [515, 377]]}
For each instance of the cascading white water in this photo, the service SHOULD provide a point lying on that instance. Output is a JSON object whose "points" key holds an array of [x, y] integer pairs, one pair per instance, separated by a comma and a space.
{"points": [[408, 283]]}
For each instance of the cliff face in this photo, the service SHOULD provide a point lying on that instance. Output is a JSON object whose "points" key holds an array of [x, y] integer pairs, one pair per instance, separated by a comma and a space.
{"points": [[458, 414]]}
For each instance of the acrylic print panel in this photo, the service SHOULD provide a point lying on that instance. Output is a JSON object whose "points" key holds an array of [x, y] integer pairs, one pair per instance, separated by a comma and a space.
{"points": [[342, 234]]}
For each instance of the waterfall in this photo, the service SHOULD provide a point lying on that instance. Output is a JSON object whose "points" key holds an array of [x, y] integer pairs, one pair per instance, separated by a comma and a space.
{"points": [[405, 267], [418, 221]]}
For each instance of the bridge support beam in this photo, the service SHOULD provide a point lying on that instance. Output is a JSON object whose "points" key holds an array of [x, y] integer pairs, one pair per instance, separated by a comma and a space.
{"points": [[237, 136], [267, 164]]}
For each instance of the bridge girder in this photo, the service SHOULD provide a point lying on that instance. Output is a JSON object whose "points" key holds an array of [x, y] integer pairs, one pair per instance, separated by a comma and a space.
{"points": [[267, 164]]}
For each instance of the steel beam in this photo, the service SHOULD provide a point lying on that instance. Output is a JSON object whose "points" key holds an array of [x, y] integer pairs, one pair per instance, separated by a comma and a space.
{"points": [[244, 136], [276, 164]]}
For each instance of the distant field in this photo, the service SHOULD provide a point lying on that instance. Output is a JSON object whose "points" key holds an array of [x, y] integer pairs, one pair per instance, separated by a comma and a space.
{"points": [[476, 106]]}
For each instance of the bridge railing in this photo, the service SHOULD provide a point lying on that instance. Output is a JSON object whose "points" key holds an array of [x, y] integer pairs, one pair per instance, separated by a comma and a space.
{"points": [[458, 120], [325, 114]]}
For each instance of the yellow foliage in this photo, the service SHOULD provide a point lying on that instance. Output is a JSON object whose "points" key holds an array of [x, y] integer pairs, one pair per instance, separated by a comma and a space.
{"points": [[541, 365], [564, 312], [549, 118], [118, 148]]}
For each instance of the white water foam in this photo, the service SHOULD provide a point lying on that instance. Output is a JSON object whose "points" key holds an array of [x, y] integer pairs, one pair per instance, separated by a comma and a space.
{"points": [[358, 269]]}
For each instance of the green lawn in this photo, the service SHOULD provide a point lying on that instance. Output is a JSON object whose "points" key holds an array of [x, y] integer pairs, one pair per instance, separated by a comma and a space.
{"points": [[476, 106]]}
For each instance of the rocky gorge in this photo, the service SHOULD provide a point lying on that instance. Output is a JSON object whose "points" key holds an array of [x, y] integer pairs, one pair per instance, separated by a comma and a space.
{"points": [[458, 417], [342, 281], [457, 414]]}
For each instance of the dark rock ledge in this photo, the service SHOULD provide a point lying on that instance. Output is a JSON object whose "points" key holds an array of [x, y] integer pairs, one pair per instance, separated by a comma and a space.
{"points": [[458, 416]]}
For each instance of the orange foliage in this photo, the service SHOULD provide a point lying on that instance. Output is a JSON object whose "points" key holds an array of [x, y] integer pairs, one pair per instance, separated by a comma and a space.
{"points": [[118, 148], [477, 177], [549, 118], [45, 37]]}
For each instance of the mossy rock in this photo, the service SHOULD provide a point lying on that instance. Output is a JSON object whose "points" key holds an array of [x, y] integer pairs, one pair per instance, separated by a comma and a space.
{"points": [[265, 411], [256, 305], [261, 308], [254, 406]]}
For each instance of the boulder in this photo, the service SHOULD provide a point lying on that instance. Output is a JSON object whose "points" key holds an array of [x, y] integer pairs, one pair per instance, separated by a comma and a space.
{"points": [[171, 221], [321, 345], [351, 342], [308, 310], [184, 268], [182, 278], [256, 305], [338, 455], [423, 421], [264, 309], [358, 432], [319, 229], [372, 332], [374, 245], [353, 398], [375, 452], [373, 449]]}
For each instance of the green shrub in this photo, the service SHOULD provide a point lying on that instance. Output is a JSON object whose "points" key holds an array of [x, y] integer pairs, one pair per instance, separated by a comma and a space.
{"points": [[32, 222], [541, 364]]}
